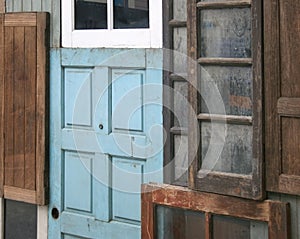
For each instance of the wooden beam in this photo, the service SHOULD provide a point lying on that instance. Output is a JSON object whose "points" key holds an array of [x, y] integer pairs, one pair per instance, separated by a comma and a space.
{"points": [[225, 61], [229, 119], [227, 4]]}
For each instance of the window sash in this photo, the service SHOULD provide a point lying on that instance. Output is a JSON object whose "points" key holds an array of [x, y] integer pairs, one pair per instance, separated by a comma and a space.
{"points": [[116, 38]]}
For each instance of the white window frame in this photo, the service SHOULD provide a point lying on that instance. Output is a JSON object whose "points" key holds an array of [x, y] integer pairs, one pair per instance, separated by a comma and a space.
{"points": [[115, 38]]}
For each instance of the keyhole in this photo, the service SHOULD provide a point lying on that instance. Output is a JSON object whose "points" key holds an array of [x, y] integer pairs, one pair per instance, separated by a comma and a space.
{"points": [[55, 213], [100, 126]]}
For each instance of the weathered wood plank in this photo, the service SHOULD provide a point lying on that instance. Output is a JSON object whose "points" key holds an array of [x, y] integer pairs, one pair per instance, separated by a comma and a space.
{"points": [[271, 93], [288, 106], [225, 61], [208, 226], [8, 102], [19, 194], [2, 94], [147, 213], [41, 110], [18, 119], [290, 146], [21, 19], [2, 6], [30, 103], [279, 225], [224, 4], [229, 119]]}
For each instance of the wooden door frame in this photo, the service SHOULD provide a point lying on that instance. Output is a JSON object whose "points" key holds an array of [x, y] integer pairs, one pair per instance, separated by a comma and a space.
{"points": [[275, 214]]}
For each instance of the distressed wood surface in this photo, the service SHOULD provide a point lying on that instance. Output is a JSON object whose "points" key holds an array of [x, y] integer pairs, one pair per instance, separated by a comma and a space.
{"points": [[229, 119], [282, 96], [225, 61], [272, 79], [243, 180], [2, 109], [25, 108], [274, 213], [224, 4], [2, 6], [175, 114], [288, 106]]}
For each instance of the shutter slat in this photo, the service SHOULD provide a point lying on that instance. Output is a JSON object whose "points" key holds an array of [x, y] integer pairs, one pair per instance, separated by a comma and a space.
{"points": [[30, 105], [18, 106], [8, 106]]}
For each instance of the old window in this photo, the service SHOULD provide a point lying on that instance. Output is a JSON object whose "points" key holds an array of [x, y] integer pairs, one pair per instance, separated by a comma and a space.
{"points": [[206, 215], [111, 23], [225, 130]]}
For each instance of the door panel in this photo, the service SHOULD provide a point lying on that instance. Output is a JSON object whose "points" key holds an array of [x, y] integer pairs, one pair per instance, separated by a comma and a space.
{"points": [[108, 145], [282, 96]]}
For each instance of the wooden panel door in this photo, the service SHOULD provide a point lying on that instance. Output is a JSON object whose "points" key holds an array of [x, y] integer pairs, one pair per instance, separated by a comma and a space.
{"points": [[282, 90], [24, 118], [107, 140]]}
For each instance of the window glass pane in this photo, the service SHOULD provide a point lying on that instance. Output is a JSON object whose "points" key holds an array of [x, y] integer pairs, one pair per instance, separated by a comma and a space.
{"points": [[232, 84], [234, 155], [90, 14], [20, 220], [226, 33], [179, 224], [131, 14], [230, 228]]}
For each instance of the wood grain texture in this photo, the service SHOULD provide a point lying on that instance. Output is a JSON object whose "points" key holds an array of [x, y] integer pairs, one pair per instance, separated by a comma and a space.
{"points": [[25, 108], [2, 77], [18, 194], [224, 4], [229, 119], [42, 109], [2, 6], [18, 106], [275, 213], [272, 80], [282, 96], [225, 61], [288, 106], [8, 106], [230, 184], [30, 104]]}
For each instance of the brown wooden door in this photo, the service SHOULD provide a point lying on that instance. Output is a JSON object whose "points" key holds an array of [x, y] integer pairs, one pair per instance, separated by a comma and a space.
{"points": [[23, 77], [282, 91]]}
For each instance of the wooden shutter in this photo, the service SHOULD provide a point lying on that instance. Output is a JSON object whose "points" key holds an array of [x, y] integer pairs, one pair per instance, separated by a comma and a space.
{"points": [[24, 147], [224, 41], [282, 91]]}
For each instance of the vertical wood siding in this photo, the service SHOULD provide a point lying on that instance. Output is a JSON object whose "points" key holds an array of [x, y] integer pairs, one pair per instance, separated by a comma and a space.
{"points": [[51, 6]]}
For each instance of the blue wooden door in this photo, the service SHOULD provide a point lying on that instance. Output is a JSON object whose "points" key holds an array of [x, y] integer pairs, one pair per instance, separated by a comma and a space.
{"points": [[106, 140]]}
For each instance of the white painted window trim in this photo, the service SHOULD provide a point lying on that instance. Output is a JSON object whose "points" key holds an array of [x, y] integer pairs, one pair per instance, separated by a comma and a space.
{"points": [[115, 38]]}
